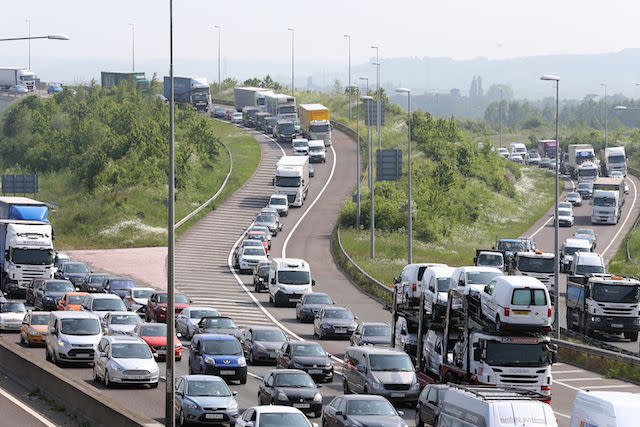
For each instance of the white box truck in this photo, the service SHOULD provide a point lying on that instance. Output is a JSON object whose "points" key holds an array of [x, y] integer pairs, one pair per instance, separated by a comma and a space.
{"points": [[292, 178], [10, 76], [250, 97]]}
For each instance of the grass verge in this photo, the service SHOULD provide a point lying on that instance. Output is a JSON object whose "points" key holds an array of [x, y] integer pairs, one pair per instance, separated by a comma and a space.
{"points": [[619, 264]]}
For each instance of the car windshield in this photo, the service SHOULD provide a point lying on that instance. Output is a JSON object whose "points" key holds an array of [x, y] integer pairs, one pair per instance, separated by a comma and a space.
{"points": [[154, 330], [491, 260], [253, 240], [529, 297], [75, 299], [257, 251], [376, 331], [39, 319], [338, 314], [573, 196], [222, 347], [564, 212], [288, 181], [13, 307], [589, 269], [265, 218], [586, 237], [121, 284], [207, 388], [269, 335], [510, 246], [32, 256], [263, 271], [481, 277], [141, 293], [514, 355], [316, 149], [370, 407], [218, 323], [444, 284], [271, 216], [298, 379], [199, 314], [261, 237], [300, 144], [616, 293], [606, 202], [293, 277], [535, 265], [130, 351], [98, 279], [125, 319], [286, 127], [58, 287], [570, 250], [278, 201], [307, 350], [390, 362], [584, 186], [110, 304], [283, 419], [586, 231], [317, 299], [75, 267], [80, 327]]}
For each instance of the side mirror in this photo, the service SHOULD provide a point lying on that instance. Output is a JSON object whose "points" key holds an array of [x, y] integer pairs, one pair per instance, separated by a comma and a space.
{"points": [[179, 335], [235, 393], [401, 413], [461, 283], [554, 357], [313, 282], [248, 424], [273, 280], [77, 288], [339, 413], [486, 289], [355, 317], [179, 393], [6, 255], [361, 369]]}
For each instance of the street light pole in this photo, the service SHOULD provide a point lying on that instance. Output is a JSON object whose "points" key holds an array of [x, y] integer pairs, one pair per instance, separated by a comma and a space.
{"points": [[29, 39], [293, 91], [377, 64], [133, 47], [500, 113], [368, 123], [556, 286], [606, 139], [350, 87], [409, 220], [372, 237], [219, 35]]}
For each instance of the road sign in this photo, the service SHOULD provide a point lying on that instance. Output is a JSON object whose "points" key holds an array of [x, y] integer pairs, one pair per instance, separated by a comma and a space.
{"points": [[373, 108], [14, 184], [388, 165]]}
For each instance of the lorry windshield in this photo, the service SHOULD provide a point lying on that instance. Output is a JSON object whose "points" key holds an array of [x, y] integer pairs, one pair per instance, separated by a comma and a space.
{"points": [[512, 355], [287, 109], [607, 202], [588, 172], [319, 128], [616, 159], [32, 256], [615, 293], [288, 181], [535, 265], [293, 277]]}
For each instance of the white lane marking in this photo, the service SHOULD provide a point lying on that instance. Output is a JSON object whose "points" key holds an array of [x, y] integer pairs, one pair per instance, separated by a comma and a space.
{"points": [[572, 371], [562, 415], [565, 385], [581, 379], [252, 375], [633, 203], [573, 186], [26, 408], [607, 386], [295, 227]]}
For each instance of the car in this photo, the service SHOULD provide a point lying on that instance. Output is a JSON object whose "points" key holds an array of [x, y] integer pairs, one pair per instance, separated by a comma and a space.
{"points": [[312, 171], [284, 131], [280, 203], [71, 301], [136, 299], [273, 416], [260, 236], [60, 259], [120, 322], [574, 198], [565, 217], [372, 333], [228, 113], [255, 242], [125, 360], [215, 354], [157, 306], [11, 315], [32, 288], [18, 89], [34, 328], [307, 356], [334, 321], [516, 158], [236, 118], [544, 163], [471, 280], [532, 158], [408, 282], [155, 335], [290, 387], [566, 205], [119, 286], [101, 304], [188, 319], [218, 112], [54, 88], [616, 174], [218, 325], [72, 337], [261, 276], [269, 220], [503, 152], [361, 410], [435, 285], [52, 291], [94, 282], [261, 343], [250, 257], [300, 146], [585, 189], [205, 399], [75, 272], [587, 234], [261, 228], [309, 305]]}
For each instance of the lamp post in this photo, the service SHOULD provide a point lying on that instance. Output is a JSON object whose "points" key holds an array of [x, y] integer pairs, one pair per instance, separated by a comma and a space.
{"points": [[293, 91], [133, 47], [351, 89], [368, 123], [556, 286], [377, 64], [348, 37], [409, 222], [28, 20], [606, 140], [372, 237], [49, 36], [219, 83], [500, 114]]}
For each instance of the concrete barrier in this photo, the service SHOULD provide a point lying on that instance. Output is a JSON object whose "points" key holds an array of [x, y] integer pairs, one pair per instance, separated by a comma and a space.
{"points": [[78, 398]]}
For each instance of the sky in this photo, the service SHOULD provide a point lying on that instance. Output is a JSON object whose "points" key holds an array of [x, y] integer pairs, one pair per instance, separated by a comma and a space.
{"points": [[255, 39]]}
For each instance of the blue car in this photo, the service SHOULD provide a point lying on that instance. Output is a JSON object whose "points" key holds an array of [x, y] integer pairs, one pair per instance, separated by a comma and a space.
{"points": [[54, 88], [215, 354], [205, 399], [119, 286]]}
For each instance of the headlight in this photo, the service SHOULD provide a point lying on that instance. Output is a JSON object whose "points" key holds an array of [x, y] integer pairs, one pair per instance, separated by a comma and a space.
{"points": [[325, 326], [209, 361], [377, 386], [163, 308], [233, 406], [415, 386], [328, 365], [317, 397], [48, 298], [192, 405], [242, 362], [116, 367], [61, 343], [34, 333], [282, 396], [179, 345]]}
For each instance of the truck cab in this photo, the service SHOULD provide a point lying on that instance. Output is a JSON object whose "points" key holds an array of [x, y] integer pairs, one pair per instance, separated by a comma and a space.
{"points": [[606, 207], [587, 171], [489, 258]]}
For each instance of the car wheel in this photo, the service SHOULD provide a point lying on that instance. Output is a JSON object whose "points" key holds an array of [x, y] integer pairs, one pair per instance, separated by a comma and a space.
{"points": [[107, 383], [345, 386], [243, 380], [419, 422], [21, 339], [96, 378], [498, 324], [54, 359], [251, 361], [47, 356], [181, 420]]}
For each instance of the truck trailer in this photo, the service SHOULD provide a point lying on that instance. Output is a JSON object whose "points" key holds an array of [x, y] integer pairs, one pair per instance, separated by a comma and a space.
{"points": [[189, 90], [547, 148], [11, 76], [250, 97], [614, 159], [315, 123], [111, 79]]}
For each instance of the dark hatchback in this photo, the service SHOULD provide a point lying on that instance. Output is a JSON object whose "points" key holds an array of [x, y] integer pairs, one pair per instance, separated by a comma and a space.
{"points": [[307, 356], [119, 286], [290, 387], [94, 283], [310, 304]]}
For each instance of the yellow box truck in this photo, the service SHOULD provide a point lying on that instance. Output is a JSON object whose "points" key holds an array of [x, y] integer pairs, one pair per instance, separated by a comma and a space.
{"points": [[314, 122]]}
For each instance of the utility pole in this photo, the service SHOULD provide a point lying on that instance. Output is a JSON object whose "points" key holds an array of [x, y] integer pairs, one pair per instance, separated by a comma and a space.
{"points": [[293, 91], [29, 39], [606, 140], [500, 114], [350, 87], [372, 237], [377, 48], [219, 83]]}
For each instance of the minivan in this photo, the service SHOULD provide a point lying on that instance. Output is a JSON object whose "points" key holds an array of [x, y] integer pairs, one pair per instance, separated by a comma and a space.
{"points": [[386, 372], [72, 337], [436, 283]]}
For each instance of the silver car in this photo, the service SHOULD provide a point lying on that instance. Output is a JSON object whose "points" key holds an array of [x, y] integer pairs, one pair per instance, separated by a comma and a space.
{"points": [[261, 343], [125, 360], [270, 219], [205, 399], [120, 322], [188, 319]]}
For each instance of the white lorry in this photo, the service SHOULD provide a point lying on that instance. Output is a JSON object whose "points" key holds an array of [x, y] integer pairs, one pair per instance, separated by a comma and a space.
{"points": [[535, 264], [292, 178], [11, 76], [26, 244], [615, 159], [587, 171], [250, 97], [606, 207], [281, 106]]}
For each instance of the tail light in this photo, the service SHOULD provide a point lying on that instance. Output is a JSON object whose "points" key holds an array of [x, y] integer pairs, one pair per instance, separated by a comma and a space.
{"points": [[414, 287], [549, 312], [506, 312], [546, 390]]}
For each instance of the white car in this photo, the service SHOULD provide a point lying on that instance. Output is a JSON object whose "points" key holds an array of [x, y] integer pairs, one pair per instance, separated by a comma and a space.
{"points": [[120, 322], [565, 217], [503, 152], [189, 318], [11, 315], [300, 147], [273, 416], [472, 279], [236, 118], [516, 158], [280, 203], [435, 284], [136, 299], [250, 257], [124, 359]]}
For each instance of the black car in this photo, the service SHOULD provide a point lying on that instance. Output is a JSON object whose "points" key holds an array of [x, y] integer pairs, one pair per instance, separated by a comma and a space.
{"points": [[284, 131], [119, 286], [218, 112], [334, 321], [290, 387], [428, 408], [94, 282], [361, 410], [217, 325], [32, 288], [75, 272], [52, 291], [261, 343], [310, 304], [261, 276], [307, 356]]}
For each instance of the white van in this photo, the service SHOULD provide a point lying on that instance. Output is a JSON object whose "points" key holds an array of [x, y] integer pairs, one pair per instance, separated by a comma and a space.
{"points": [[72, 336], [472, 280], [407, 285], [605, 408], [435, 284], [516, 302], [518, 148], [586, 263], [317, 152], [290, 278]]}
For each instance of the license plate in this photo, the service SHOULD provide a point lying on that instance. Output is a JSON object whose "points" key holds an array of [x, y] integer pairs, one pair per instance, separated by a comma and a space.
{"points": [[214, 416], [397, 394], [136, 377], [227, 372], [301, 405], [521, 312], [315, 371], [272, 356], [161, 352], [616, 325], [340, 330]]}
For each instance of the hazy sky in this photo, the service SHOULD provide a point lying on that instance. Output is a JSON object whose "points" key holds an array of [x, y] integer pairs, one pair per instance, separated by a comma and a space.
{"points": [[255, 32]]}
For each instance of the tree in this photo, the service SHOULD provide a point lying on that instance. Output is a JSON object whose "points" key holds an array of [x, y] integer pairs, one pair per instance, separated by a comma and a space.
{"points": [[254, 81], [337, 87]]}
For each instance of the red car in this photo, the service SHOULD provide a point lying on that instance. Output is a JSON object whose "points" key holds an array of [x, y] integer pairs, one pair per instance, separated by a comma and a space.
{"points": [[157, 306], [155, 335], [259, 235]]}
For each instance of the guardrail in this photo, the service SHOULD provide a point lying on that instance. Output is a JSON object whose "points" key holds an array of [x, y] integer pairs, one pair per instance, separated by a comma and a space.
{"points": [[635, 223]]}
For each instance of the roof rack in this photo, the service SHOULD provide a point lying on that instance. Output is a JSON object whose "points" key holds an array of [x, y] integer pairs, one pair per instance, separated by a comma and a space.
{"points": [[491, 393]]}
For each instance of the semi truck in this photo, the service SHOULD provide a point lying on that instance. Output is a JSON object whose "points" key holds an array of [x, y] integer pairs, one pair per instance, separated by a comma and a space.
{"points": [[611, 184], [250, 97], [314, 123], [26, 244], [11, 76], [536, 264], [604, 303], [292, 178], [282, 106], [588, 171], [578, 154], [614, 159], [189, 90], [111, 79], [547, 148]]}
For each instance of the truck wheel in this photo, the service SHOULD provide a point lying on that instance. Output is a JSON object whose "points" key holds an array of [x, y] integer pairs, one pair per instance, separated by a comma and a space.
{"points": [[631, 336], [569, 319]]}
